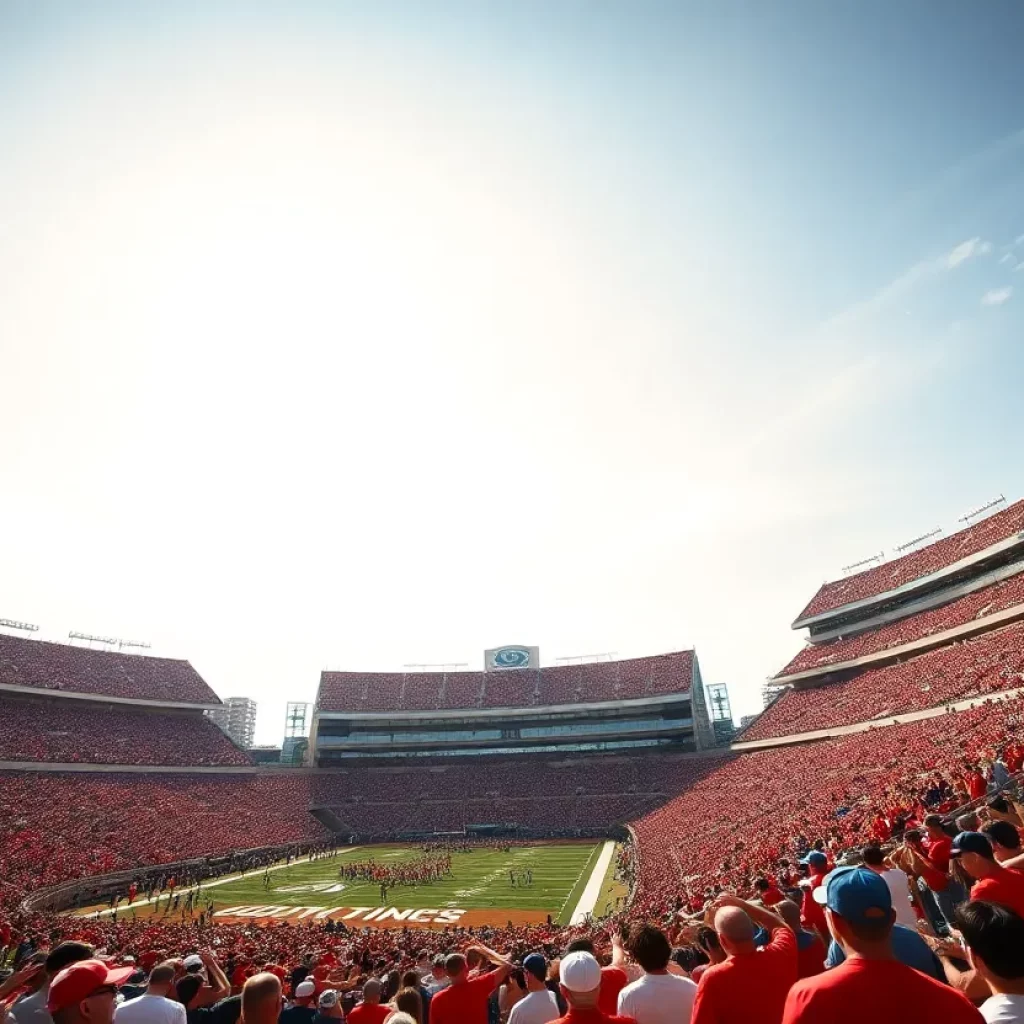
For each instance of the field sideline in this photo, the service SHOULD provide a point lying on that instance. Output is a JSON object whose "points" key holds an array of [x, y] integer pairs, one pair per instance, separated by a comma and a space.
{"points": [[566, 880]]}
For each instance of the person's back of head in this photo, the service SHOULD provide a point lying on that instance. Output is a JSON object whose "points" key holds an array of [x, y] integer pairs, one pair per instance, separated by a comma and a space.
{"points": [[873, 857], [995, 938], [649, 947], [371, 991], [707, 939], [410, 979], [261, 999], [790, 913], [579, 979], [187, 988], [761, 884], [409, 1001], [583, 945], [401, 1018], [735, 930], [65, 954], [968, 822], [999, 804], [1003, 834], [161, 978]]}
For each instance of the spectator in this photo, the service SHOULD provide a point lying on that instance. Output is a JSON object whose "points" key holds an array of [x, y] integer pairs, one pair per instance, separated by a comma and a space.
{"points": [[995, 942], [32, 1009], [613, 977], [657, 997], [810, 950], [1005, 841], [438, 978], [579, 977], [750, 986], [898, 882], [538, 1006], [328, 1008], [261, 999], [370, 1010], [813, 916], [465, 1000], [407, 1000], [992, 882], [154, 1006], [85, 992], [411, 979], [871, 984], [301, 1009], [707, 939]]}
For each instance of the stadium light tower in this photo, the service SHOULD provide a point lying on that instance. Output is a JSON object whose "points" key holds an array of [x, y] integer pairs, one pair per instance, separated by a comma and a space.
{"points": [[872, 560], [15, 624], [917, 540], [981, 510]]}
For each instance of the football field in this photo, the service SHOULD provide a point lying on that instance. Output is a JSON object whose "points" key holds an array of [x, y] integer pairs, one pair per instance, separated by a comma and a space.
{"points": [[565, 881]]}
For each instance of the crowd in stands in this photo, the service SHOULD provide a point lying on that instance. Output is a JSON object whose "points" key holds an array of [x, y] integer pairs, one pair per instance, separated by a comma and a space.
{"points": [[982, 665], [558, 684], [764, 806], [987, 601], [49, 666], [56, 826], [944, 552], [87, 732]]}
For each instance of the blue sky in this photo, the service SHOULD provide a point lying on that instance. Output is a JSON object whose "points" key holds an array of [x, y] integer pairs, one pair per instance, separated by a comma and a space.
{"points": [[353, 335]]}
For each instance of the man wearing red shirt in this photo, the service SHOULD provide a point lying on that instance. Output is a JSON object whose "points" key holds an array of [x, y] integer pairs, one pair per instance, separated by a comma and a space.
{"points": [[871, 984], [811, 913], [750, 986], [770, 895], [993, 882], [931, 862], [579, 978], [465, 999], [810, 950], [370, 1011]]}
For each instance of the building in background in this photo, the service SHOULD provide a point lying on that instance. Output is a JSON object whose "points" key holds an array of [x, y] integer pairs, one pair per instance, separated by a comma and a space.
{"points": [[237, 717], [296, 733]]}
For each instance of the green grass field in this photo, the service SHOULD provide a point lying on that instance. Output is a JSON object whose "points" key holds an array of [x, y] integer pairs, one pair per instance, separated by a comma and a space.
{"points": [[480, 882]]}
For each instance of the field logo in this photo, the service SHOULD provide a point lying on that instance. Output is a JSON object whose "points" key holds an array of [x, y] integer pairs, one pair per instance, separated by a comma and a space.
{"points": [[510, 657]]}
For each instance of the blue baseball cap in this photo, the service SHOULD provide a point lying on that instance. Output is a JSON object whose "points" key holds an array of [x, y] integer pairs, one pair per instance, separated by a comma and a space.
{"points": [[536, 965], [855, 894], [972, 842], [815, 859]]}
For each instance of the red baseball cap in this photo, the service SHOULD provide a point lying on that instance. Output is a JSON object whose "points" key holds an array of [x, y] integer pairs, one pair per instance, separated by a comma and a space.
{"points": [[81, 980]]}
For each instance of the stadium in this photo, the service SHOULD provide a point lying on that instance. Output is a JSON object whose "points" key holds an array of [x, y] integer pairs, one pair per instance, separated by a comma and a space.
{"points": [[519, 796]]}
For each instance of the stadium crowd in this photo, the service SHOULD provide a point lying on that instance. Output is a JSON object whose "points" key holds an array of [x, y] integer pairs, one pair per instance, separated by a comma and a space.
{"points": [[49, 666], [771, 825], [558, 684], [66, 732], [985, 664], [889, 575], [997, 597]]}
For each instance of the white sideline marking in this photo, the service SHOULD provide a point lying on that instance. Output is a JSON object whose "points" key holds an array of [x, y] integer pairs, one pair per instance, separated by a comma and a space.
{"points": [[593, 886], [205, 885]]}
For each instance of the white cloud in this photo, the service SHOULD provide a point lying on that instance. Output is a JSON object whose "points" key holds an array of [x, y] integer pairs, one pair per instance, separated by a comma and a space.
{"points": [[1006, 257], [1020, 266], [966, 250], [1019, 240], [996, 296]]}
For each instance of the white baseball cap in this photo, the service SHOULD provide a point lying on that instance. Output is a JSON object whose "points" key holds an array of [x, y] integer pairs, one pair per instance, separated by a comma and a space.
{"points": [[194, 960], [304, 989], [580, 972]]}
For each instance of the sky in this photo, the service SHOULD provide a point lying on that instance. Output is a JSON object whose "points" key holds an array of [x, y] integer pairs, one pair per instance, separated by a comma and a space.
{"points": [[351, 335]]}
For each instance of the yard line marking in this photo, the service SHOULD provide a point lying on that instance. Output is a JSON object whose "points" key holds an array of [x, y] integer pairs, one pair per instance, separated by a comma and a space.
{"points": [[593, 886], [210, 885]]}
